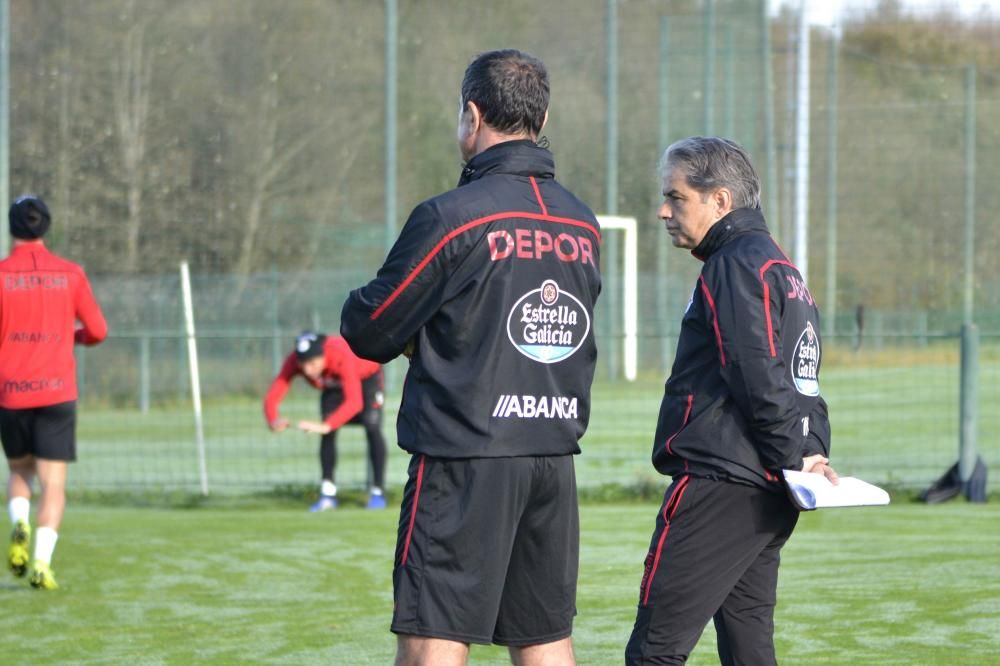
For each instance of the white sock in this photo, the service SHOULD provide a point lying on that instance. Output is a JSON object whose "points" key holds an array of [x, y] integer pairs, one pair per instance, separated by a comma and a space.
{"points": [[45, 543], [19, 508], [376, 490], [328, 488]]}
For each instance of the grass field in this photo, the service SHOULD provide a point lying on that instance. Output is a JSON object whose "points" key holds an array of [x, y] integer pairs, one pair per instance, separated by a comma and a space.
{"points": [[895, 416], [246, 576], [269, 584]]}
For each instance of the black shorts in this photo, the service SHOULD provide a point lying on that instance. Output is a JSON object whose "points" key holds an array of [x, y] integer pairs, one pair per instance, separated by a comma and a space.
{"points": [[371, 394], [488, 550], [44, 432]]}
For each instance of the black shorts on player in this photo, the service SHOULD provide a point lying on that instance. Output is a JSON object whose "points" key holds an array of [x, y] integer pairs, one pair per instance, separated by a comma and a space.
{"points": [[488, 550], [47, 432], [371, 394]]}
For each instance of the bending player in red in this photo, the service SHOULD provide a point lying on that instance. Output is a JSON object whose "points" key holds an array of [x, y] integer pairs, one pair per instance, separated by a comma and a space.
{"points": [[351, 392]]}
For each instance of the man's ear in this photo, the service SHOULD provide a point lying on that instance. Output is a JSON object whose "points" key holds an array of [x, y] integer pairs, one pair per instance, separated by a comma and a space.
{"points": [[723, 199], [472, 117], [544, 121]]}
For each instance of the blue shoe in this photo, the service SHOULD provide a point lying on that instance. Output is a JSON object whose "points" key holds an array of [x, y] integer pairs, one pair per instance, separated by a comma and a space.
{"points": [[376, 501], [324, 503]]}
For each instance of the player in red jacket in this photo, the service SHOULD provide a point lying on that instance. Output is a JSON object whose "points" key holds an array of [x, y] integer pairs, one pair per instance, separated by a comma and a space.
{"points": [[351, 393], [42, 297]]}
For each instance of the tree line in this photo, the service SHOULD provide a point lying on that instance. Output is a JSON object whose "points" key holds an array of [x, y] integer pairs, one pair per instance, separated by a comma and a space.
{"points": [[247, 135]]}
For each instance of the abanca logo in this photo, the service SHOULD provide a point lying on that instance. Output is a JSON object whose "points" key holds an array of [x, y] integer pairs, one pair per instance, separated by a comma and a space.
{"points": [[547, 324]]}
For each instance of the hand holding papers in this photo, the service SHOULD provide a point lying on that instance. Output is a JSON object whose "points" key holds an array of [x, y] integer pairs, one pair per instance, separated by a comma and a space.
{"points": [[814, 491]]}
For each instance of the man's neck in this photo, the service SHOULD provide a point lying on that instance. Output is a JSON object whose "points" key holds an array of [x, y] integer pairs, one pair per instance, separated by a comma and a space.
{"points": [[489, 137]]}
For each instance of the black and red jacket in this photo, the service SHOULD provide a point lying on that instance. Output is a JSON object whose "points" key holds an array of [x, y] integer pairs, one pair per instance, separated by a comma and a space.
{"points": [[42, 297], [742, 401], [341, 369], [495, 283]]}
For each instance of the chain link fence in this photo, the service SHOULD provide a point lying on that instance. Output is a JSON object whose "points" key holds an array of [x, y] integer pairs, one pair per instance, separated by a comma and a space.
{"points": [[249, 138]]}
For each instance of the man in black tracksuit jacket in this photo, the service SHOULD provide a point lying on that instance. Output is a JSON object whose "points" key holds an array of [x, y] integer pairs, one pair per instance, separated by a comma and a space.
{"points": [[741, 404], [490, 290]]}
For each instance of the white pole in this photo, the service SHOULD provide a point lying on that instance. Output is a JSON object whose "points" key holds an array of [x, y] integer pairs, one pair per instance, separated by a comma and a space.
{"points": [[631, 300], [801, 253], [630, 311], [5, 119], [192, 345]]}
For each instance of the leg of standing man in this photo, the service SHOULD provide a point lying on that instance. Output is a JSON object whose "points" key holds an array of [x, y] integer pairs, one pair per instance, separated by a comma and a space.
{"points": [[556, 653], [376, 456], [744, 625], [714, 552], [421, 651], [328, 463], [328, 401], [371, 419]]}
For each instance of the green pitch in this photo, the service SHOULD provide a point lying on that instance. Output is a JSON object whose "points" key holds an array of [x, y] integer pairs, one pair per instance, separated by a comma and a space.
{"points": [[906, 584], [895, 424], [895, 416]]}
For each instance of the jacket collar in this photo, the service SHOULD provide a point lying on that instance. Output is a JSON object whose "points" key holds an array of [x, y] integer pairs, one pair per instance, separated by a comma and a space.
{"points": [[736, 223], [520, 158], [27, 247]]}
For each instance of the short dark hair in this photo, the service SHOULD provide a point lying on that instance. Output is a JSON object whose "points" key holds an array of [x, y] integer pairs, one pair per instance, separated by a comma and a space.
{"points": [[711, 162], [29, 217], [511, 90]]}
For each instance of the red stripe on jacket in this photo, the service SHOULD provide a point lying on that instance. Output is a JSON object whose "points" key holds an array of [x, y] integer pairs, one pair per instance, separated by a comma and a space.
{"points": [[538, 195], [466, 227], [715, 319], [687, 415], [767, 299]]}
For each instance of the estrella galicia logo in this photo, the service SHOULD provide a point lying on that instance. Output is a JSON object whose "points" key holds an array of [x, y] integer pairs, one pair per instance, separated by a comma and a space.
{"points": [[547, 324], [805, 362]]}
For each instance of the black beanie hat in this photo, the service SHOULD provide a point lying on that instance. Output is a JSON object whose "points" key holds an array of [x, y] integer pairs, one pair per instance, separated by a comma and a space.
{"points": [[308, 345], [29, 217]]}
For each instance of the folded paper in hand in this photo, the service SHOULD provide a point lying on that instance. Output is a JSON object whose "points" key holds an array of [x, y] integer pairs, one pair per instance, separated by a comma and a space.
{"points": [[814, 491]]}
